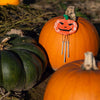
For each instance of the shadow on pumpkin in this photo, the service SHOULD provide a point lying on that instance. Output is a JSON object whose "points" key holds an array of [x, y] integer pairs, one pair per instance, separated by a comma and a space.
{"points": [[48, 71], [97, 25], [39, 88]]}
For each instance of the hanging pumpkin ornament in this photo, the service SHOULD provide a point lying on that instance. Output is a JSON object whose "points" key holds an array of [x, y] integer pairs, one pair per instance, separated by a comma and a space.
{"points": [[66, 38], [65, 27]]}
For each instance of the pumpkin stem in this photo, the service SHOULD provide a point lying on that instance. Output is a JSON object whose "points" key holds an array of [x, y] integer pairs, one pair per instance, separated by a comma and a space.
{"points": [[5, 95], [65, 16], [3, 43], [89, 62], [70, 11], [5, 39]]}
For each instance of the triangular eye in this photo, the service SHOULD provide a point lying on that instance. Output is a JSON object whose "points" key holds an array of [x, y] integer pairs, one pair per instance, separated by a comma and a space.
{"points": [[61, 23], [70, 24]]}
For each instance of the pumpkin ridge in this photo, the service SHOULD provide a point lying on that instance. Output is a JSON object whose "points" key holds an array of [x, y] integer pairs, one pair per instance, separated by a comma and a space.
{"points": [[82, 26], [85, 25], [22, 75], [48, 35], [57, 52], [6, 74], [46, 26], [39, 72], [94, 79], [81, 21], [56, 60], [31, 76], [73, 88], [69, 72], [35, 50], [20, 40]]}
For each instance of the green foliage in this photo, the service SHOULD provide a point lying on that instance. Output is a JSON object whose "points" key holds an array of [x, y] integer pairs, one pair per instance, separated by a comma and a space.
{"points": [[63, 5], [80, 14]]}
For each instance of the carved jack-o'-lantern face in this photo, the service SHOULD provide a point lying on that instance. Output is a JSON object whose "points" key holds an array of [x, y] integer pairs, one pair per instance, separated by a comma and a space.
{"points": [[65, 27]]}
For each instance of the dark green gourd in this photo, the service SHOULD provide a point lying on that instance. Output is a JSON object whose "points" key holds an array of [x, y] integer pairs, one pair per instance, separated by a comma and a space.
{"points": [[21, 64]]}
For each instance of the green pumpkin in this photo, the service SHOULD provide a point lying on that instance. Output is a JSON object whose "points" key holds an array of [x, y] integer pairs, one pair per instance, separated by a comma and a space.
{"points": [[18, 40], [21, 65], [33, 48]]}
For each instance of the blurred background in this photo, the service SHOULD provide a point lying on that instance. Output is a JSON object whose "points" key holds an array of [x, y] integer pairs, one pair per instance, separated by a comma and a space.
{"points": [[30, 15]]}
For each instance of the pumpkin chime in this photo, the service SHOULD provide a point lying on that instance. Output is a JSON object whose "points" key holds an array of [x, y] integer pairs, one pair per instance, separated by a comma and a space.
{"points": [[70, 27], [66, 39]]}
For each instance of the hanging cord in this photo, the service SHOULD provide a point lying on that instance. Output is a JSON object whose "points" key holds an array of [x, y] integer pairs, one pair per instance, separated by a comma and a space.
{"points": [[65, 41], [68, 36], [62, 44]]}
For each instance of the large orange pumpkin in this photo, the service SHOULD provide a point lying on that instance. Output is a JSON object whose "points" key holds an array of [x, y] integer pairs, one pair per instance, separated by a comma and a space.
{"points": [[10, 2], [84, 39], [71, 82]]}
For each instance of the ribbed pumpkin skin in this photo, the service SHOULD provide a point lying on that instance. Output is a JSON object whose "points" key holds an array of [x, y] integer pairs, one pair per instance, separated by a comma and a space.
{"points": [[85, 39], [11, 71], [20, 70], [21, 66], [10, 2], [35, 49], [29, 44], [70, 82], [20, 40]]}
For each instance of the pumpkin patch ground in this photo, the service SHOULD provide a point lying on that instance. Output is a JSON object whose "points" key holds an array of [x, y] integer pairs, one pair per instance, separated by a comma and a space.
{"points": [[27, 18]]}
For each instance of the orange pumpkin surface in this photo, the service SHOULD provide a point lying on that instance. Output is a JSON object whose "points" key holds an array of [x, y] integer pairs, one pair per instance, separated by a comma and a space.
{"points": [[70, 82], [10, 2], [84, 39]]}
